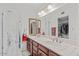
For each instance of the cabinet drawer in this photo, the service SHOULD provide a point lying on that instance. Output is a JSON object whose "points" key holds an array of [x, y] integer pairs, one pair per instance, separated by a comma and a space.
{"points": [[34, 53], [44, 49], [35, 43], [41, 53], [51, 53]]}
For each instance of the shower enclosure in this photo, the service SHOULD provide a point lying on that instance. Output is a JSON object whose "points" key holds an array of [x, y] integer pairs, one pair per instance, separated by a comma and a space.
{"points": [[9, 33]]}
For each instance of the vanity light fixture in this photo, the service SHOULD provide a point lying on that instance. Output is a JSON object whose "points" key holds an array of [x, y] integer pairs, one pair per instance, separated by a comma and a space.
{"points": [[42, 13], [50, 8], [39, 13]]}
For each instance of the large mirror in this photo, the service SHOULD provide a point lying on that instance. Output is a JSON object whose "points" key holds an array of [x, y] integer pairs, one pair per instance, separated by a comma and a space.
{"points": [[63, 27], [34, 26]]}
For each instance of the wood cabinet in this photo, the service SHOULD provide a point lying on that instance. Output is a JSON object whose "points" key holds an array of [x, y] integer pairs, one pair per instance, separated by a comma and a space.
{"points": [[29, 45], [52, 53], [37, 49], [41, 53], [42, 50], [35, 43]]}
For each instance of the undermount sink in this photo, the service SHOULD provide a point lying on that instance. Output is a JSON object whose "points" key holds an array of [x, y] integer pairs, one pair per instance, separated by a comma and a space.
{"points": [[44, 39]]}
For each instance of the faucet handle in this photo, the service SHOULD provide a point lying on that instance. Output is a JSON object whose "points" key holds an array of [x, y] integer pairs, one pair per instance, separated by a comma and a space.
{"points": [[58, 40]]}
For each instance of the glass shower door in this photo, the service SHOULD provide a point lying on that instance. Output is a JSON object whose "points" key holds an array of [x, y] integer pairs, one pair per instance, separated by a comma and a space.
{"points": [[9, 34]]}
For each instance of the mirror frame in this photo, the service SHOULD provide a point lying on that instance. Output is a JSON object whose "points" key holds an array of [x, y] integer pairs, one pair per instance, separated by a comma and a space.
{"points": [[34, 20]]}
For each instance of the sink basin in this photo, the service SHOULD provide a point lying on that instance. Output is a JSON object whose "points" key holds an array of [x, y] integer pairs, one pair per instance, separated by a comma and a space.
{"points": [[44, 39]]}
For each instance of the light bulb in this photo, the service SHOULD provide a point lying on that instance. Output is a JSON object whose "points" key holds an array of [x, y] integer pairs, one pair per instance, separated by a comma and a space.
{"points": [[42, 12], [39, 13], [49, 7]]}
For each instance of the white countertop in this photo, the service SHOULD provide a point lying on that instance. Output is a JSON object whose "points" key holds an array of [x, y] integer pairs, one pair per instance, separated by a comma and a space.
{"points": [[63, 48]]}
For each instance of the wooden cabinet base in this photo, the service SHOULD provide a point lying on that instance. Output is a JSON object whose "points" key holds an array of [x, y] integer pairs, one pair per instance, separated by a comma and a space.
{"points": [[37, 49], [41, 53], [51, 53]]}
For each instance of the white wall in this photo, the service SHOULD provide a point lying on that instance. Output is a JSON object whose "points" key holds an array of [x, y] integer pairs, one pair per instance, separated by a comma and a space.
{"points": [[70, 10]]}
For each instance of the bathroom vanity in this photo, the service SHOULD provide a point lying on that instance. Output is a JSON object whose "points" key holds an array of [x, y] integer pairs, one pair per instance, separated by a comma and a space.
{"points": [[37, 49], [43, 46]]}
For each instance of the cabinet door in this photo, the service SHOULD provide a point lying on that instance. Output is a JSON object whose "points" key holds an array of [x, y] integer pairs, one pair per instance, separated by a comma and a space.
{"points": [[31, 46], [28, 44], [35, 48], [35, 43], [44, 49], [41, 53], [34, 53]]}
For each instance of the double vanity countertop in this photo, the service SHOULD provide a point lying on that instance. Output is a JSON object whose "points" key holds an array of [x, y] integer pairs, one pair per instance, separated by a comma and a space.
{"points": [[62, 48]]}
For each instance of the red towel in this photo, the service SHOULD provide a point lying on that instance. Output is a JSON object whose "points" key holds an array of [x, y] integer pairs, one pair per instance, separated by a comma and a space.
{"points": [[24, 37]]}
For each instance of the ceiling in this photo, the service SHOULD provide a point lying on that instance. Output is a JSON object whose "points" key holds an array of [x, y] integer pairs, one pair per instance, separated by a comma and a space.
{"points": [[26, 9]]}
